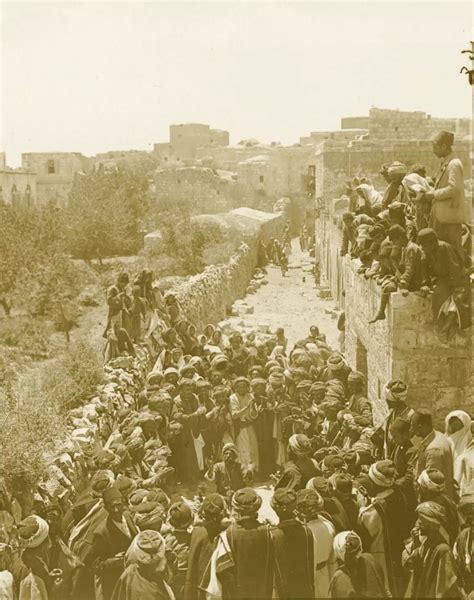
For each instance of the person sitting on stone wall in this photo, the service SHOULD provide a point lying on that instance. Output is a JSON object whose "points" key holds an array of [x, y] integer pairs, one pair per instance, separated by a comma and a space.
{"points": [[409, 270], [395, 191], [348, 234], [447, 279]]}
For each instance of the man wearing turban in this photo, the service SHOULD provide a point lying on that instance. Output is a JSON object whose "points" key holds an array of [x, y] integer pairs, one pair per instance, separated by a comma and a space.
{"points": [[33, 533], [395, 393], [202, 545], [385, 524], [358, 575], [301, 467], [227, 474], [429, 558], [144, 576], [293, 546], [309, 505], [395, 191], [246, 569], [432, 487]]}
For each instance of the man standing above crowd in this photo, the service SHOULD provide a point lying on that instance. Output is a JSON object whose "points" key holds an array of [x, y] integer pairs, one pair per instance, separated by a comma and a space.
{"points": [[448, 210]]}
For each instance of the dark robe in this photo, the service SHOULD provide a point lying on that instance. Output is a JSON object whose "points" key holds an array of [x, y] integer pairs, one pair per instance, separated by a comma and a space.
{"points": [[132, 585], [433, 571], [182, 445], [293, 548], [264, 429], [363, 579], [202, 545], [393, 512], [108, 541], [251, 572], [297, 473]]}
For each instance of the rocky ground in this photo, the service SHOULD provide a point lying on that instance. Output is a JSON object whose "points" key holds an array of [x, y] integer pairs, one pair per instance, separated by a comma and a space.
{"points": [[291, 302]]}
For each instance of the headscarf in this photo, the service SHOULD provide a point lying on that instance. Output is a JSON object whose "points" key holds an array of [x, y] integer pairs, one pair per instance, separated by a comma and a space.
{"points": [[382, 473], [33, 531], [230, 447], [460, 440], [396, 391], [432, 512], [213, 506], [335, 362], [432, 480], [147, 547], [397, 168], [309, 503], [347, 543], [318, 484], [180, 515], [300, 444], [284, 500], [246, 501], [149, 515]]}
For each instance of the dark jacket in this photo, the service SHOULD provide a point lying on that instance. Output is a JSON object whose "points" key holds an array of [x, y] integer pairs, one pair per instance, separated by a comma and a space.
{"points": [[108, 541]]}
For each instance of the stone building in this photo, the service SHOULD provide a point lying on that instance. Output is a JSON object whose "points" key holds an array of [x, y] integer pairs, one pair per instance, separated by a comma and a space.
{"points": [[417, 125], [17, 186], [205, 190], [405, 345], [186, 139], [55, 172]]}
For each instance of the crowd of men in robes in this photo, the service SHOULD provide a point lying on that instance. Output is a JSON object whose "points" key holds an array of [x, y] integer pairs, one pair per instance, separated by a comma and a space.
{"points": [[415, 236], [242, 467], [175, 483]]}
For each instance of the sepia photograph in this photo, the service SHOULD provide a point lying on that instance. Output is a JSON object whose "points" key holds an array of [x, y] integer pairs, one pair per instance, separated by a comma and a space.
{"points": [[236, 278]]}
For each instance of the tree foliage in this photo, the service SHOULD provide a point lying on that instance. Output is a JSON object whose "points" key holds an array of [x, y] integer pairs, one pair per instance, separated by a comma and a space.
{"points": [[105, 212]]}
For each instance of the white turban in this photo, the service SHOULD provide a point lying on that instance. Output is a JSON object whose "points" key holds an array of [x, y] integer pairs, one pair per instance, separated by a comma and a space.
{"points": [[347, 542]]}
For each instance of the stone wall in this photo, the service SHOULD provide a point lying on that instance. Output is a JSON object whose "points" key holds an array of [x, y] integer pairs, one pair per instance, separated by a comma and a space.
{"points": [[337, 161], [405, 345], [208, 190], [417, 125], [208, 297]]}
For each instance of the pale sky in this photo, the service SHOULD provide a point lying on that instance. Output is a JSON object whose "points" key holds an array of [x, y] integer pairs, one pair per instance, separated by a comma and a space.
{"points": [[96, 76]]}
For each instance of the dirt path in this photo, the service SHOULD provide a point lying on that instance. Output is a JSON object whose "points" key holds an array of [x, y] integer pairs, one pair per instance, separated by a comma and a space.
{"points": [[292, 303]]}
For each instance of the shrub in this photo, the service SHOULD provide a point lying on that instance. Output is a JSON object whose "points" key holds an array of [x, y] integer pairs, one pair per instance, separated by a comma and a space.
{"points": [[74, 377], [29, 336], [29, 428]]}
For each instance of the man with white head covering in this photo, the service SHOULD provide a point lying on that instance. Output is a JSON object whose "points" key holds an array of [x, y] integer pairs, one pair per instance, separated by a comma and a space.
{"points": [[429, 557], [395, 191], [358, 574], [459, 433], [33, 533], [144, 577]]}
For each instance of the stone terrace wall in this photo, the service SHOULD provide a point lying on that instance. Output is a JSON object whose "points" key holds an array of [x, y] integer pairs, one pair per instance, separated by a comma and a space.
{"points": [[404, 125], [406, 346], [207, 297]]}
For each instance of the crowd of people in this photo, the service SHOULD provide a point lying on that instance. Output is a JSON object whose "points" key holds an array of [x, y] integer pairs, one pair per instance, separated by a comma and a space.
{"points": [[171, 503], [415, 236]]}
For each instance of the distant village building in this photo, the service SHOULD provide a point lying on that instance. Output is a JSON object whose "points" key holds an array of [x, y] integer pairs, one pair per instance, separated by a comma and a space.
{"points": [[55, 172]]}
